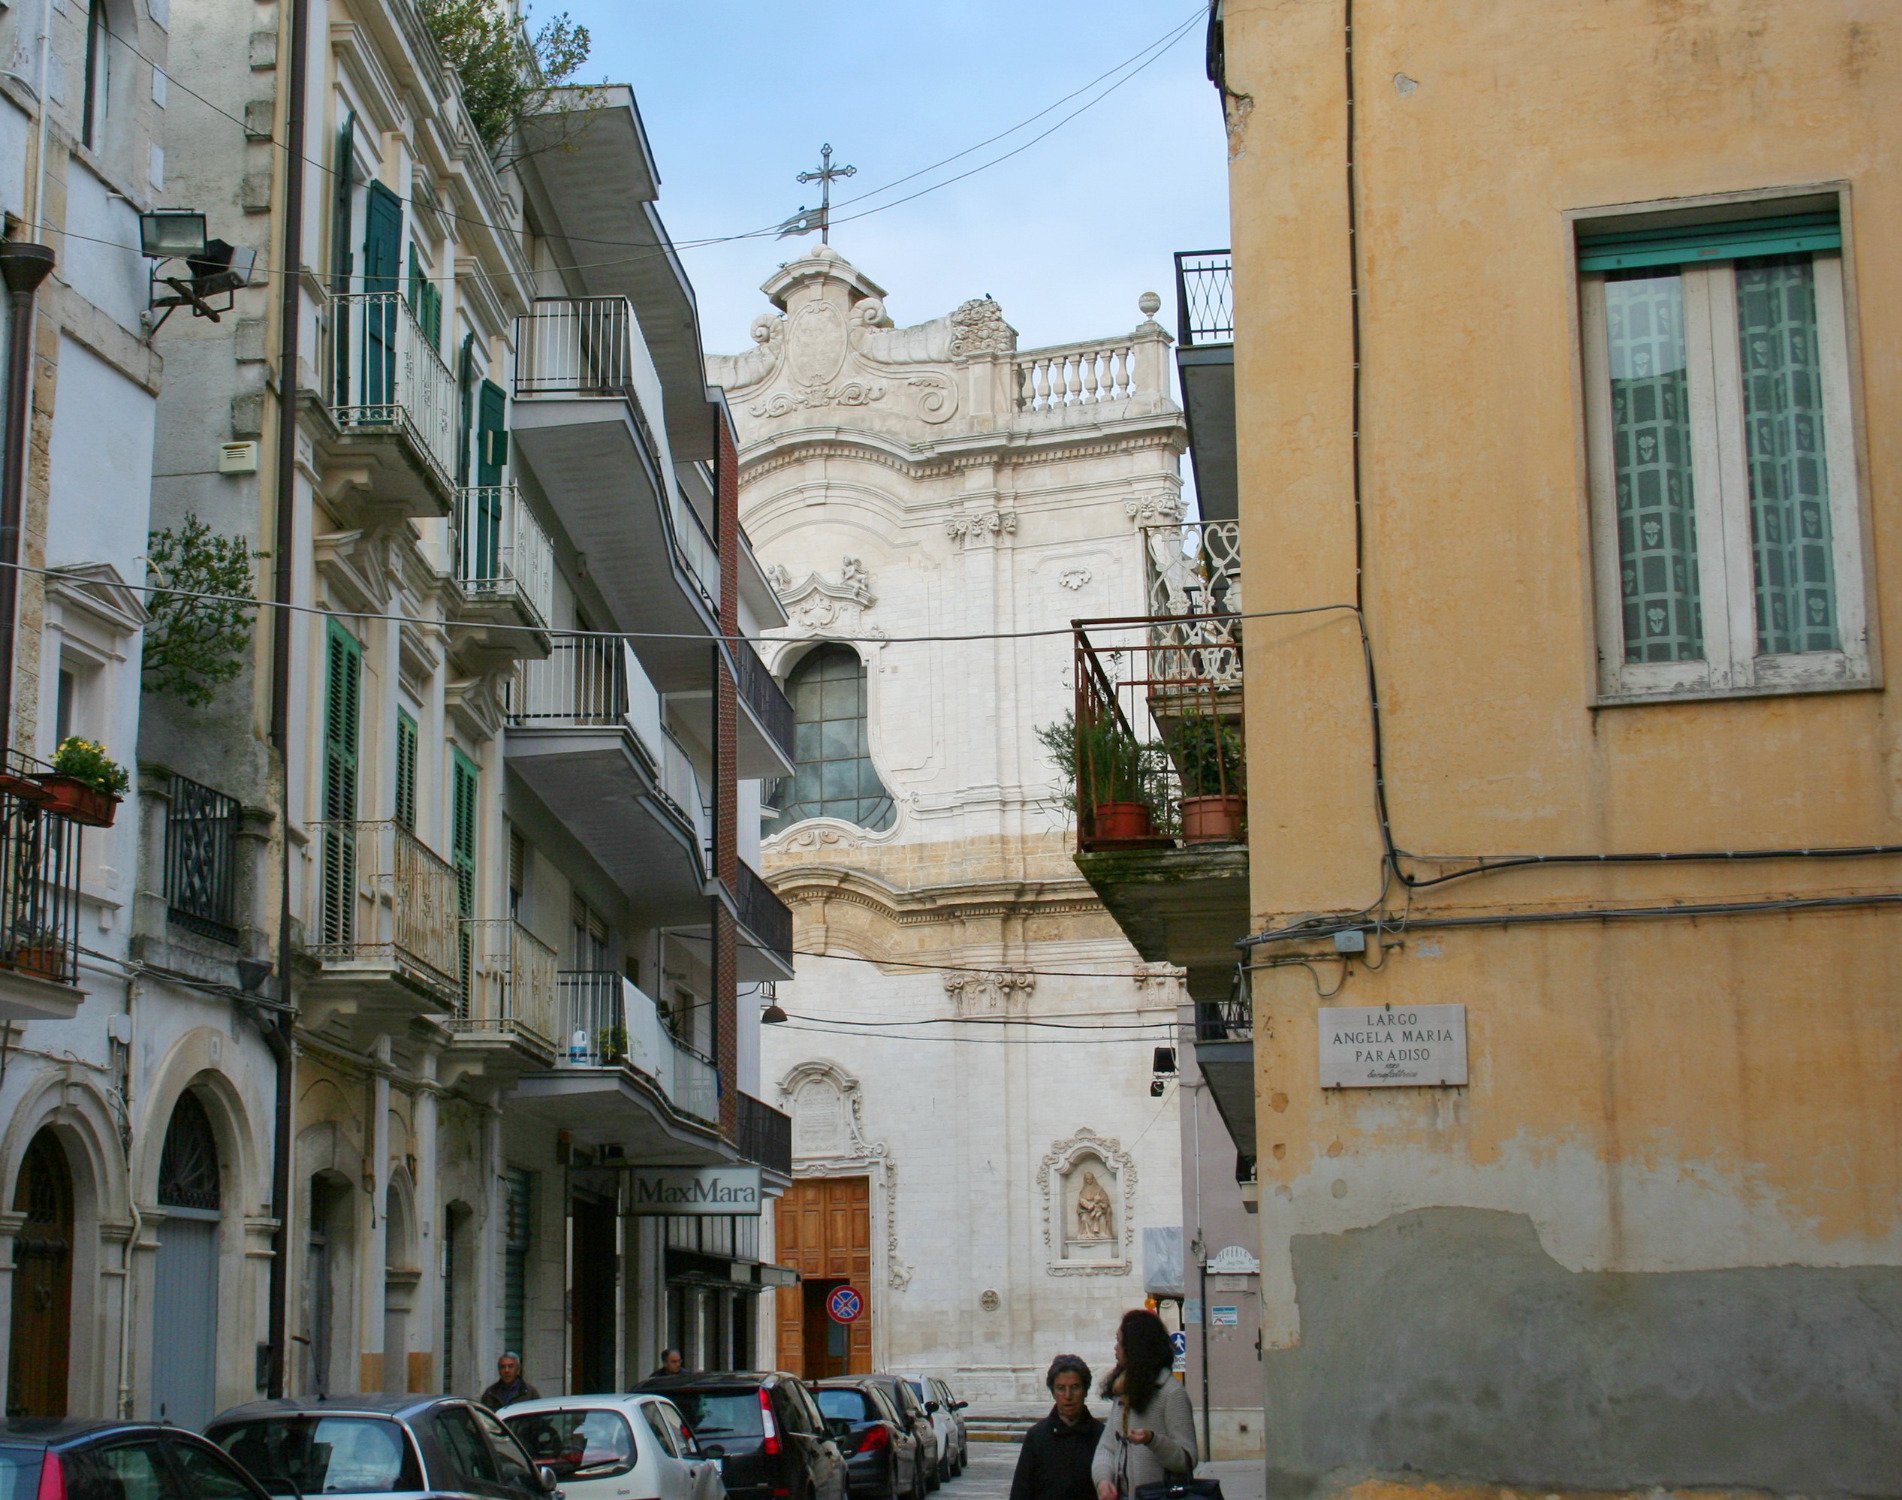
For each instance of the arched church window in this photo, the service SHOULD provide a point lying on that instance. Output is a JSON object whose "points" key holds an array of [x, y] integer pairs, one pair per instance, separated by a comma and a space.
{"points": [[834, 775], [188, 1166]]}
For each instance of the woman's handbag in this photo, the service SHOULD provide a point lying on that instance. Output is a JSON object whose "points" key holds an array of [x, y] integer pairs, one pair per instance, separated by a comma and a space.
{"points": [[1180, 1489]]}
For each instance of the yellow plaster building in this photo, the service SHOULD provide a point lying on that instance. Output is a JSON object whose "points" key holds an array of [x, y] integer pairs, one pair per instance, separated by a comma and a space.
{"points": [[1565, 364]]}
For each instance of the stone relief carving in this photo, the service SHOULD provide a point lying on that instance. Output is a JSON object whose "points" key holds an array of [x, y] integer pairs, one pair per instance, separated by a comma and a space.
{"points": [[1154, 510], [978, 327], [832, 1143], [1166, 977], [981, 526], [989, 993], [1074, 578], [820, 602], [850, 393], [1088, 1182]]}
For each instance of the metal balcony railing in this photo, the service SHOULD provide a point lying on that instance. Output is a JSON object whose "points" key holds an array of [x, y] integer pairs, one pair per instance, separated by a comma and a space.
{"points": [[510, 983], [764, 697], [697, 550], [1230, 1020], [765, 1135], [385, 898], [201, 860], [1157, 744], [768, 919], [609, 1021], [39, 886], [502, 551], [385, 376], [1205, 298], [1194, 568]]}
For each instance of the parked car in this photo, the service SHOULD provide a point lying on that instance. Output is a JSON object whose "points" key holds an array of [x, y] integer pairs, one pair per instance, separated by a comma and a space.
{"points": [[378, 1445], [85, 1458], [608, 1447], [947, 1417], [898, 1391], [764, 1428], [883, 1457]]}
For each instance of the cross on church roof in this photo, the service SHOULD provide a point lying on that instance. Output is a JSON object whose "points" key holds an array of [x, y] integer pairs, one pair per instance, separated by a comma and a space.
{"points": [[807, 220]]}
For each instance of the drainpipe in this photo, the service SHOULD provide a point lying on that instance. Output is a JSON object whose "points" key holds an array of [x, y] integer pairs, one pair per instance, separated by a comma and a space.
{"points": [[132, 1202], [290, 315], [23, 266]]}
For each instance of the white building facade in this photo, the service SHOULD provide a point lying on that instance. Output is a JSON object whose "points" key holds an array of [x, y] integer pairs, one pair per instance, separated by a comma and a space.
{"points": [[976, 1145]]}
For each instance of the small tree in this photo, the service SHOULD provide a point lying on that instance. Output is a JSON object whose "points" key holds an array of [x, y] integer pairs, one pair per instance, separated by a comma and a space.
{"points": [[506, 73], [202, 615]]}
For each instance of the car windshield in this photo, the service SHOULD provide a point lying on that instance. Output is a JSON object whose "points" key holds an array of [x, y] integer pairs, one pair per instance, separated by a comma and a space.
{"points": [[918, 1390], [727, 1413], [19, 1472], [322, 1455], [576, 1441], [853, 1406]]}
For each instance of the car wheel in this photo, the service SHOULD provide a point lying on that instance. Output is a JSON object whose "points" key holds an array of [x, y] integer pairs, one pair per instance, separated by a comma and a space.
{"points": [[931, 1475]]}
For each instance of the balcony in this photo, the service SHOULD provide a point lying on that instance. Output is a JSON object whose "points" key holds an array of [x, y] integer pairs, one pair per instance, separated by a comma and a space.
{"points": [[1160, 784], [586, 398], [765, 748], [1193, 568], [508, 1017], [622, 1078], [201, 860], [1225, 1055], [766, 930], [384, 927], [766, 1138], [505, 569], [585, 736], [389, 448], [1205, 363], [39, 907]]}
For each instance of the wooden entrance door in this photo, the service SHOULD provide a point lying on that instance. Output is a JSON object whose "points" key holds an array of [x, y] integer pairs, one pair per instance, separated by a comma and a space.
{"points": [[825, 1233], [42, 1283]]}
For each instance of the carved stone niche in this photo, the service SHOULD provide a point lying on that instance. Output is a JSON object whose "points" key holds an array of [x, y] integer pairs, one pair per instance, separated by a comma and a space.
{"points": [[1089, 1200]]}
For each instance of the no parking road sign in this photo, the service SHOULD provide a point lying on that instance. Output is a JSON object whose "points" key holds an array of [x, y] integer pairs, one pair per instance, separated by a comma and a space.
{"points": [[845, 1304]]}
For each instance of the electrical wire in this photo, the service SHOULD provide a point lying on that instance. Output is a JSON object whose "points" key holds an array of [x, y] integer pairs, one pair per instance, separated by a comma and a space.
{"points": [[1171, 1023], [971, 1041]]}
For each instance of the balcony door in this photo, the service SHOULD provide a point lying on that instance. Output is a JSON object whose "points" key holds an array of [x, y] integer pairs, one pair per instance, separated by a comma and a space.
{"points": [[343, 695], [382, 242], [484, 544]]}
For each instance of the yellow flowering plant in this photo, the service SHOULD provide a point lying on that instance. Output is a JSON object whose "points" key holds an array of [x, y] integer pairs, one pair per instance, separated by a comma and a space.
{"points": [[87, 761]]}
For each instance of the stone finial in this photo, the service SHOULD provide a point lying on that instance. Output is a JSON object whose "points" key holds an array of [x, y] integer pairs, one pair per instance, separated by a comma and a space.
{"points": [[1149, 304]]}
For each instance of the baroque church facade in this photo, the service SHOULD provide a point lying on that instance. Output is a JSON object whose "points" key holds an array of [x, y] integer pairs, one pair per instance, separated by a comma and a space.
{"points": [[968, 1066]]}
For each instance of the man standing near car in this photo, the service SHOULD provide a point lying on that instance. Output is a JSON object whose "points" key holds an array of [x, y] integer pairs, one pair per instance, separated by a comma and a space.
{"points": [[670, 1364], [1055, 1461], [509, 1385]]}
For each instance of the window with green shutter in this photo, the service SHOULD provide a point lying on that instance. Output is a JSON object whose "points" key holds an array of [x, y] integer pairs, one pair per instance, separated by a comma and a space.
{"points": [[345, 181], [517, 1237], [463, 812], [406, 770], [343, 701]]}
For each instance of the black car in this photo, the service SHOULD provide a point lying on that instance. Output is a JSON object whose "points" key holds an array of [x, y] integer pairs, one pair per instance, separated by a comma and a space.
{"points": [[764, 1428], [897, 1390], [883, 1457], [95, 1460], [377, 1446]]}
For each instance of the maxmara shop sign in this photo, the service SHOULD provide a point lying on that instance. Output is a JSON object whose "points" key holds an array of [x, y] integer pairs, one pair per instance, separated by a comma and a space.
{"points": [[693, 1190], [1393, 1046]]}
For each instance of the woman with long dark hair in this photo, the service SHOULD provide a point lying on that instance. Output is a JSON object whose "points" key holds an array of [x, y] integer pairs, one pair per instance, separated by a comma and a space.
{"points": [[1150, 1435]]}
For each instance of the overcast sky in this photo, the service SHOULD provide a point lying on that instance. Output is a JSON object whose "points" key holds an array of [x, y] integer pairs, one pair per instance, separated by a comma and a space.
{"points": [[738, 96]]}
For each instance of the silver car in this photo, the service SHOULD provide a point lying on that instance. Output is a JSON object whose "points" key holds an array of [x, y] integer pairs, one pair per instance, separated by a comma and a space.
{"points": [[379, 1446]]}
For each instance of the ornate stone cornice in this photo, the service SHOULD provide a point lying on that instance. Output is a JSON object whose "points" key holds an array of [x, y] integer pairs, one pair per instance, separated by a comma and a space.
{"points": [[981, 526], [1015, 449]]}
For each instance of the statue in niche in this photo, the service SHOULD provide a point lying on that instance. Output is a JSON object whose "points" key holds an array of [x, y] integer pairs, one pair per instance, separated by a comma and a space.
{"points": [[1095, 1220]]}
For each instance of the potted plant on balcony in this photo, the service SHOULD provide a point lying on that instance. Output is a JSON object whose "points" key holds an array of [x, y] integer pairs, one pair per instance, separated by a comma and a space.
{"points": [[85, 783], [1207, 751], [1103, 769], [39, 950], [610, 1045]]}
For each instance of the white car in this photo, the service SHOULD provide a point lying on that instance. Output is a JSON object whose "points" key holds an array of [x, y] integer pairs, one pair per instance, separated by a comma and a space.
{"points": [[944, 1408], [615, 1447]]}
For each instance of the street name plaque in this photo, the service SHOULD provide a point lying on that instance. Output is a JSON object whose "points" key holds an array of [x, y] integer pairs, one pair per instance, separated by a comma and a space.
{"points": [[1395, 1046]]}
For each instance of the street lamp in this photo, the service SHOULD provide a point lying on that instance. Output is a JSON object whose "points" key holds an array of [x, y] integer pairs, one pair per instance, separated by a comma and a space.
{"points": [[774, 1014], [172, 233], [212, 267]]}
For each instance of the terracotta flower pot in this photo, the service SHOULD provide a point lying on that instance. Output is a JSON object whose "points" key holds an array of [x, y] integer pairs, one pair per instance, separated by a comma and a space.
{"points": [[1212, 820], [1123, 820], [47, 960], [82, 803], [26, 788]]}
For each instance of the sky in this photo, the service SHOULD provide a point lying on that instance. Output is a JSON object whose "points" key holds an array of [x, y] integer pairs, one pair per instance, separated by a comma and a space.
{"points": [[739, 95]]}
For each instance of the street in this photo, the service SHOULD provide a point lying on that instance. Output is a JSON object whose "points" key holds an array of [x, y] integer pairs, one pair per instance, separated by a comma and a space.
{"points": [[987, 1476]]}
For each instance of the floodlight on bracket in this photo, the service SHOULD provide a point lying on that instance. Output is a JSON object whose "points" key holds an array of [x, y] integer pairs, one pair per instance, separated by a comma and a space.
{"points": [[212, 268]]}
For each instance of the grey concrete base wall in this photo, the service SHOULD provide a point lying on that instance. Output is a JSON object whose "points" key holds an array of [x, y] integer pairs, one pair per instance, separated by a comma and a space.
{"points": [[1446, 1342]]}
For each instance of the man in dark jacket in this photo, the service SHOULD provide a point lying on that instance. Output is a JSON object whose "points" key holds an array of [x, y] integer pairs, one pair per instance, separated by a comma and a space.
{"points": [[509, 1385], [1055, 1462]]}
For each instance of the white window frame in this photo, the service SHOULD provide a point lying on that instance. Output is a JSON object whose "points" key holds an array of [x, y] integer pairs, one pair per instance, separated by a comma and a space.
{"points": [[1726, 575]]}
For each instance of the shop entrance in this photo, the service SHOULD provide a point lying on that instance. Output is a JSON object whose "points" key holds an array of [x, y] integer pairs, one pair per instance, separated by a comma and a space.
{"points": [[825, 1233]]}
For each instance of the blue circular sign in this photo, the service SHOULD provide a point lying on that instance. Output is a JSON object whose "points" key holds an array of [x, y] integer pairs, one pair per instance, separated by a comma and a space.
{"points": [[845, 1304]]}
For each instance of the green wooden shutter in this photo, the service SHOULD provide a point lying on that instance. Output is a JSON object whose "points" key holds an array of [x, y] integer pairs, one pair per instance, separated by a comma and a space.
{"points": [[343, 690], [464, 808], [492, 452], [1684, 244], [406, 770], [518, 1224], [465, 389], [414, 296], [382, 254], [432, 315], [343, 187]]}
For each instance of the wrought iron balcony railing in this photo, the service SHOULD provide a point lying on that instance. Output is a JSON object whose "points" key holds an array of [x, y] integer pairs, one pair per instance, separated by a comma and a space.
{"points": [[201, 860], [509, 983], [765, 1135], [609, 1022], [502, 551], [1230, 1020], [1194, 568], [1157, 743], [39, 886], [768, 919], [387, 377], [384, 898], [1205, 298], [764, 697]]}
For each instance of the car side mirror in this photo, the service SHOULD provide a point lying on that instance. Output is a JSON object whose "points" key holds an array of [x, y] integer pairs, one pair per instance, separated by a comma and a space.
{"points": [[931, 1408], [713, 1450], [959, 1405], [549, 1482]]}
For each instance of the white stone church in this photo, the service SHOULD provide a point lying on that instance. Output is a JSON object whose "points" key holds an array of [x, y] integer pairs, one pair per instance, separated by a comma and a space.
{"points": [[988, 1187]]}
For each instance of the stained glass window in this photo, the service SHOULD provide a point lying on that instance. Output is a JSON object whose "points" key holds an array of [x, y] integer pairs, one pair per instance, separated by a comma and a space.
{"points": [[834, 775]]}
